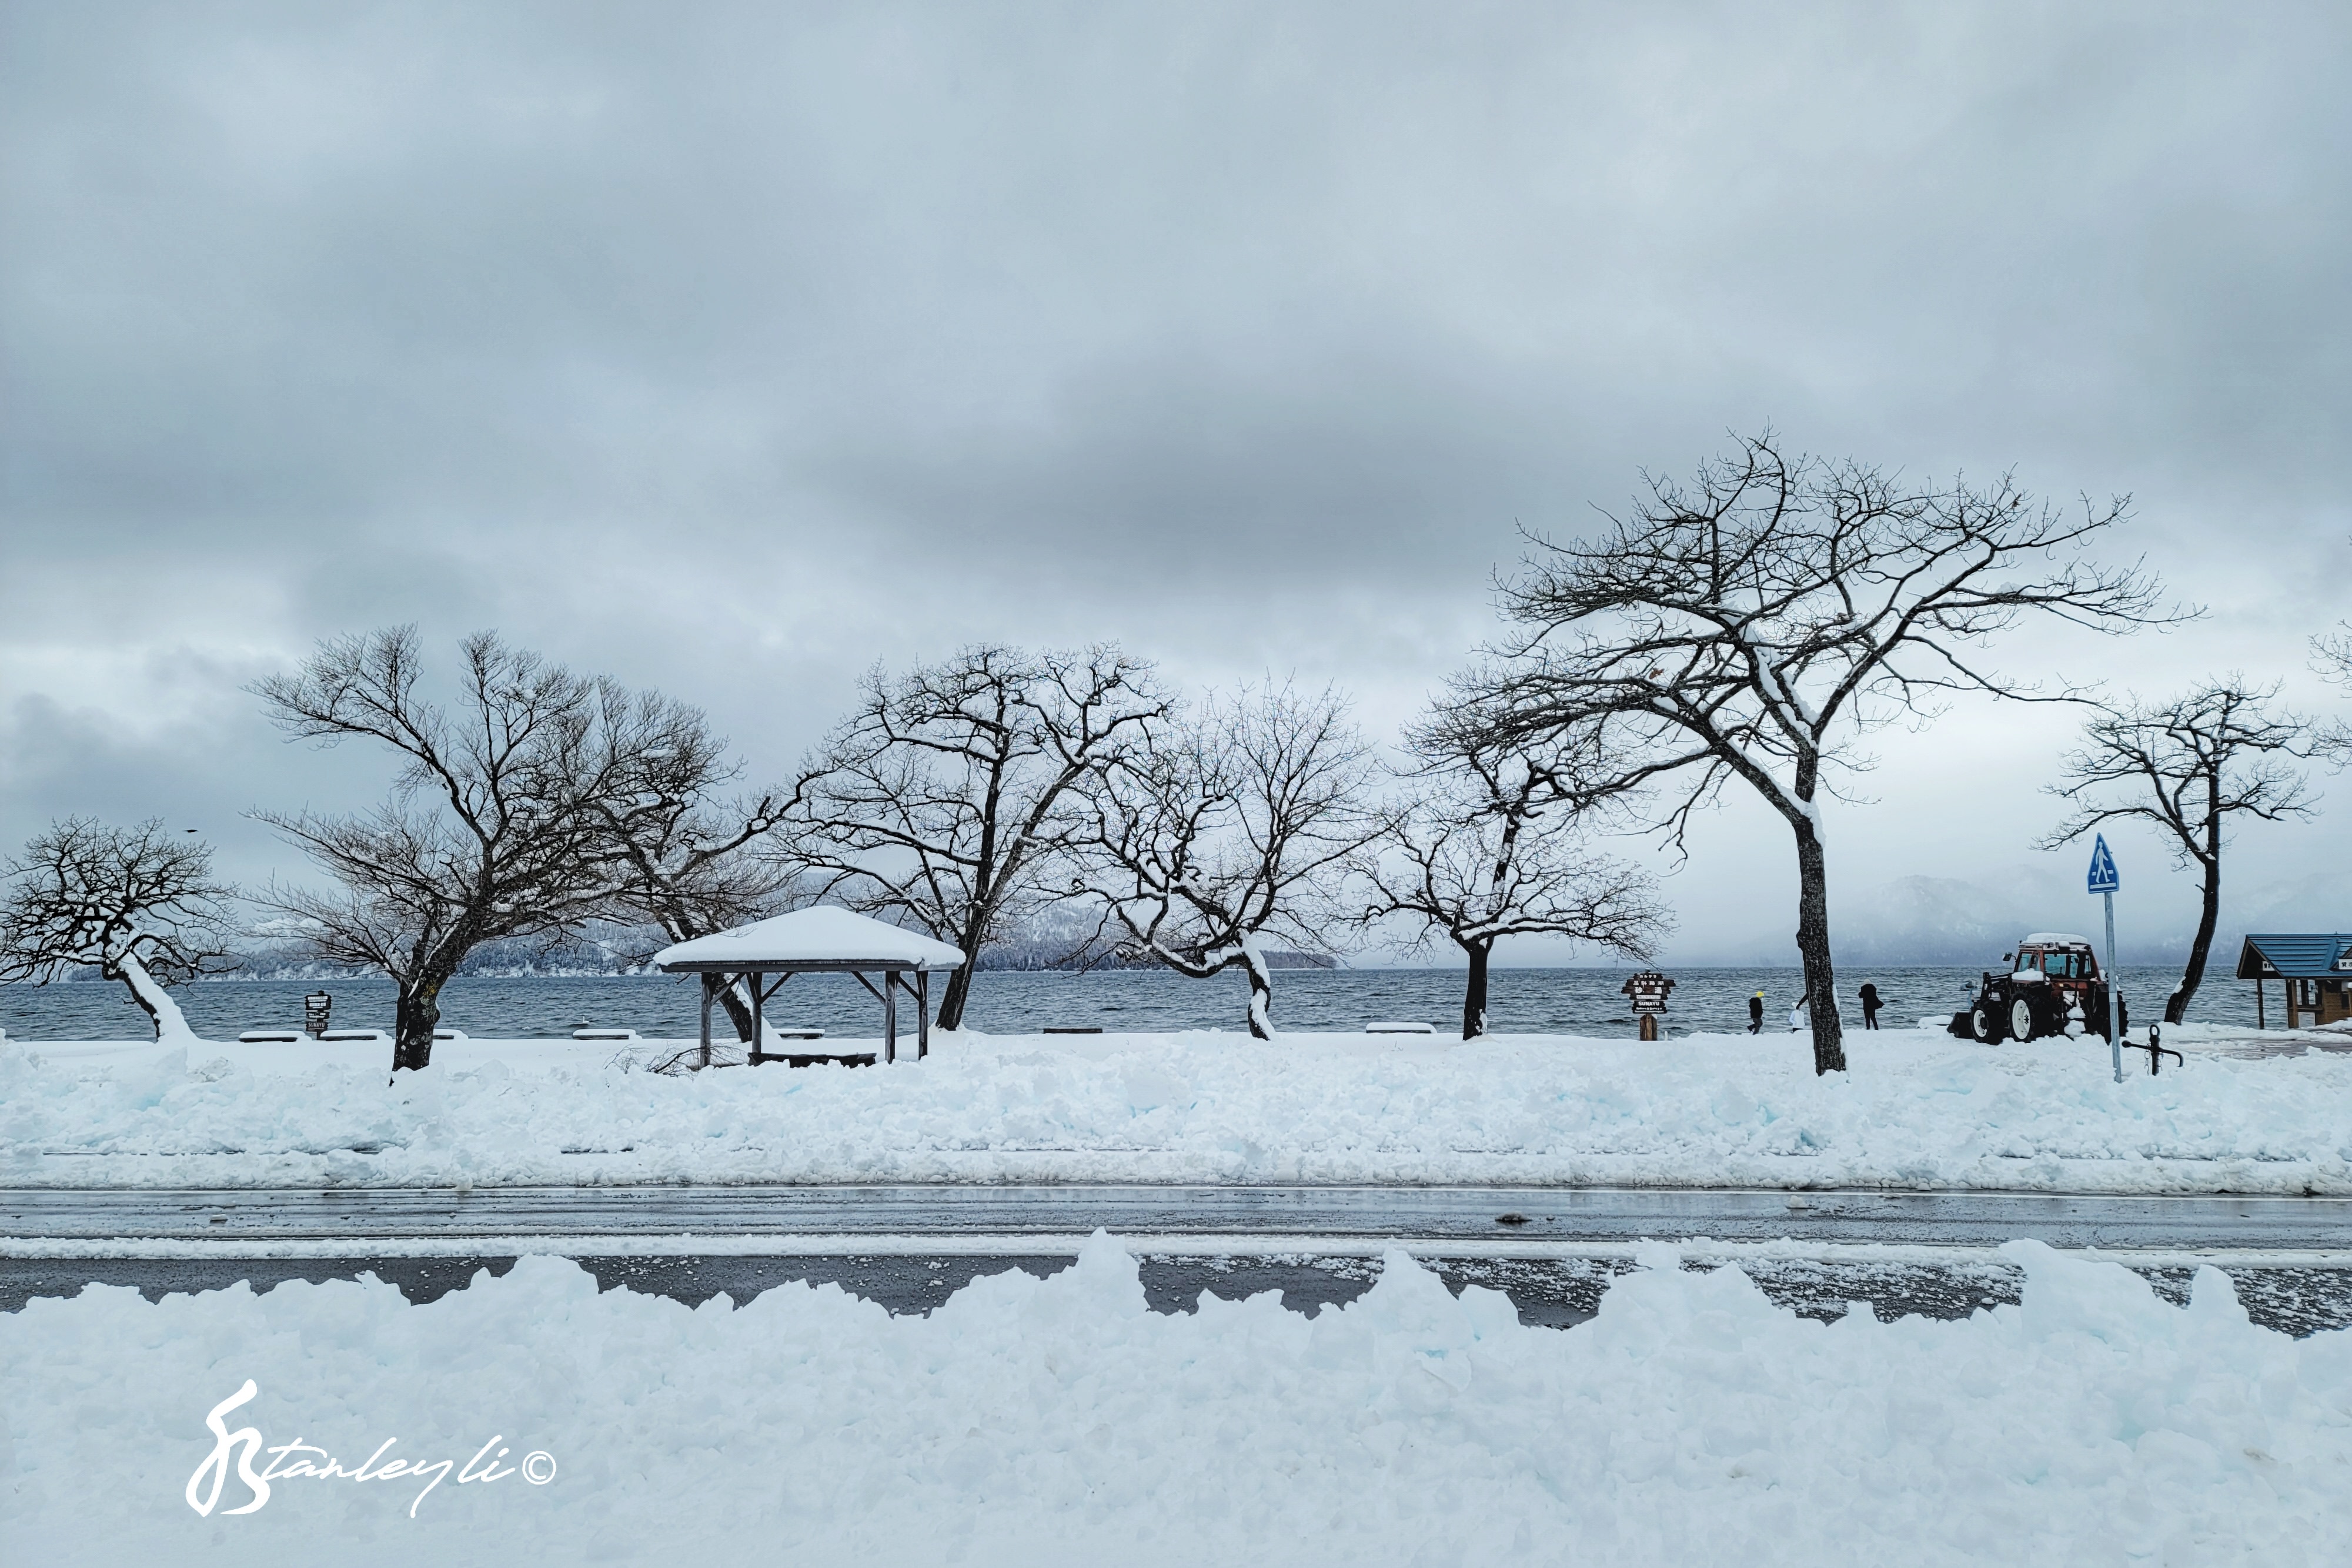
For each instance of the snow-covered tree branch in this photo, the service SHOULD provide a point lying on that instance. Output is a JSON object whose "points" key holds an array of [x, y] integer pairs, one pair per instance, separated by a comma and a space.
{"points": [[944, 800], [138, 904], [1489, 846], [678, 856], [1235, 825], [1750, 625]]}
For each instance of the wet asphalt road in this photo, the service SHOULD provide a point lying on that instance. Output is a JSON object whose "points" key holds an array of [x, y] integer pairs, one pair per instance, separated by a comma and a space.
{"points": [[1421, 1214], [1557, 1290]]}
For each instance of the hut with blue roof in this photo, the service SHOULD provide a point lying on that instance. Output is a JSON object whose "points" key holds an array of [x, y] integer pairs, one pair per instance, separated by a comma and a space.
{"points": [[2317, 971]]}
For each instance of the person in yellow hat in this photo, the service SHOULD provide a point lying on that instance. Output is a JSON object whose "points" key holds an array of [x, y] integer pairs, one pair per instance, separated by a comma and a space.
{"points": [[1756, 1013]]}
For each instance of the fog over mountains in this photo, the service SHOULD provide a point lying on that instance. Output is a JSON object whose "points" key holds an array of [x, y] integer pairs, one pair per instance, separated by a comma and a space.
{"points": [[1946, 920]]}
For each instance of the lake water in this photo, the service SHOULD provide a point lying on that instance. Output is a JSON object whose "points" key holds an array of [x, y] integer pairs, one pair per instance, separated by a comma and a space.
{"points": [[1578, 1000]]}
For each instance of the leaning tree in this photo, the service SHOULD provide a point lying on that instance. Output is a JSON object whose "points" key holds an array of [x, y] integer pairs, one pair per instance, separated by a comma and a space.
{"points": [[1489, 845], [491, 829], [138, 904], [1751, 624], [2188, 766], [944, 800], [1234, 827]]}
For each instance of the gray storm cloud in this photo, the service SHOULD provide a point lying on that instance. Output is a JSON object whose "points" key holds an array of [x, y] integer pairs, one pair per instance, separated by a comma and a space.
{"points": [[730, 349]]}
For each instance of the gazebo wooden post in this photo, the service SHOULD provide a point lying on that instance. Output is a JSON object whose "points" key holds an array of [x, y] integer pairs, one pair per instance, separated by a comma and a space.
{"points": [[2259, 1024], [922, 1014], [889, 1015], [707, 988], [759, 1015]]}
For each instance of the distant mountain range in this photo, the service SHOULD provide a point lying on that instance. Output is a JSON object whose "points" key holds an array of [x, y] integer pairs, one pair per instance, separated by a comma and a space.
{"points": [[1928, 920], [1945, 920], [606, 947]]}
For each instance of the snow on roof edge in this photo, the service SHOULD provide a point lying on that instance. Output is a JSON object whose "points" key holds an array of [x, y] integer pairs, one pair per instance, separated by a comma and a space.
{"points": [[826, 934]]}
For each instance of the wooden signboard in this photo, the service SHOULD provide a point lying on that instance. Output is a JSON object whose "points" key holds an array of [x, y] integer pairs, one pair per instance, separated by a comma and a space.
{"points": [[1649, 990]]}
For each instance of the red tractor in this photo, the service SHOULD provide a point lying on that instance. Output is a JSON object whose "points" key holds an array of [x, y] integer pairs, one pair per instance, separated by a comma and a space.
{"points": [[2052, 980]]}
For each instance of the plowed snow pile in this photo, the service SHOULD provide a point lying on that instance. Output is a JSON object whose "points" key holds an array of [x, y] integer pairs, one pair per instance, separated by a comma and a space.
{"points": [[1917, 1109], [1041, 1422]]}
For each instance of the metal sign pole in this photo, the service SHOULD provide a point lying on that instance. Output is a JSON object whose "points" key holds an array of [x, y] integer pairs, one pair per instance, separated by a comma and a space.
{"points": [[2104, 880], [2114, 1033]]}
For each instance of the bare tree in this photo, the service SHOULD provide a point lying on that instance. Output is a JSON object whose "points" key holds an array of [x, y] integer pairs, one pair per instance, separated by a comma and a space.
{"points": [[1749, 625], [492, 828], [2331, 655], [1235, 825], [1491, 848], [2188, 766], [138, 904], [678, 856], [942, 800]]}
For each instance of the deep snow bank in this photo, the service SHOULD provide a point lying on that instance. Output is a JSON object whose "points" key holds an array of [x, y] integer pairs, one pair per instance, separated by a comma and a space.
{"points": [[1918, 1109], [1058, 1421]]}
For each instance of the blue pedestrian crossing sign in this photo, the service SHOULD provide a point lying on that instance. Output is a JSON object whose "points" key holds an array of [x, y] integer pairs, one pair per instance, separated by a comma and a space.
{"points": [[2103, 868]]}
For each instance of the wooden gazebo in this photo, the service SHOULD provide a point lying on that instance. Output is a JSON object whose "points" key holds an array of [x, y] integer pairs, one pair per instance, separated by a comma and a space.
{"points": [[819, 940], [2314, 969]]}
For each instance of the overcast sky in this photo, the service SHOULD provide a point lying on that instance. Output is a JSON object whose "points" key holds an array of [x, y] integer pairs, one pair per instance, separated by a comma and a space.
{"points": [[730, 349]]}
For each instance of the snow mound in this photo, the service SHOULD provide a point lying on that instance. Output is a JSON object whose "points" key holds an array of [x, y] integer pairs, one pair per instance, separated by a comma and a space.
{"points": [[1919, 1109], [1058, 1421]]}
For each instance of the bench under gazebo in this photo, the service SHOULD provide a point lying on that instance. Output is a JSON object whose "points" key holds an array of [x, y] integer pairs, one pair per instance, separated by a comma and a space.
{"points": [[822, 940]]}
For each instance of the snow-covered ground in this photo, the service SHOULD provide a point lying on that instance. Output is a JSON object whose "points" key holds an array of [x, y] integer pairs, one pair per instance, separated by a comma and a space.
{"points": [[1057, 1421], [1918, 1109]]}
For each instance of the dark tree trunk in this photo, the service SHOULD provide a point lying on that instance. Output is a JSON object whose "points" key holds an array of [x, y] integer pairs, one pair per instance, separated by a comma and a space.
{"points": [[1814, 948], [145, 990], [952, 999], [154, 1018], [2209, 915], [1261, 1003], [415, 1017], [1474, 999], [739, 1011]]}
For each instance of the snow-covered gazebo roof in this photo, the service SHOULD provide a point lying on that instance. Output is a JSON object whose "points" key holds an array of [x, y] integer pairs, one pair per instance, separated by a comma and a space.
{"points": [[823, 939]]}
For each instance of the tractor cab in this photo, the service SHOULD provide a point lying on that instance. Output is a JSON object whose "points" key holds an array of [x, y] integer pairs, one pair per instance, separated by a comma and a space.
{"points": [[2050, 981]]}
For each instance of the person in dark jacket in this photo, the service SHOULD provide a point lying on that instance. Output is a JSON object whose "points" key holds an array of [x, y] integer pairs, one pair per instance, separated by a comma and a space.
{"points": [[1869, 1005], [1756, 1013]]}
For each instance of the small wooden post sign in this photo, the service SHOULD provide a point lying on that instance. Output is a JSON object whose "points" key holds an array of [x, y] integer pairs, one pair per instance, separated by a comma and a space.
{"points": [[1648, 990]]}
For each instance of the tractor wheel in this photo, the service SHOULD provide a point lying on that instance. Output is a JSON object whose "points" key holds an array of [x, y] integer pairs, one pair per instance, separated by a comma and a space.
{"points": [[2022, 1024], [1984, 1022]]}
